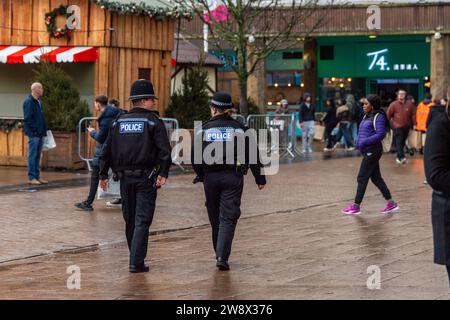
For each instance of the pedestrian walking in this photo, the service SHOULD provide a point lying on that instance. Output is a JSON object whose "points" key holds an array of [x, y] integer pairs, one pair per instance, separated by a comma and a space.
{"points": [[402, 111], [223, 173], [35, 129], [307, 116], [108, 114], [371, 133], [422, 112], [138, 152], [330, 122], [343, 117], [437, 171], [354, 116], [283, 108]]}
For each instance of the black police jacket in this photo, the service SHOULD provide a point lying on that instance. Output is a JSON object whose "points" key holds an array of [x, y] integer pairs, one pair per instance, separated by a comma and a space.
{"points": [[437, 152], [137, 140], [221, 143]]}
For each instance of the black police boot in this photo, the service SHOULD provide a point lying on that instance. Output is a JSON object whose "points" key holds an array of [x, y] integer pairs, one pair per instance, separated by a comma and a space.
{"points": [[139, 269], [84, 206], [222, 265]]}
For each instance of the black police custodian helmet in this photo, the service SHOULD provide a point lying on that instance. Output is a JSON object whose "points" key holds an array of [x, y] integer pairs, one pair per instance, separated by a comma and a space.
{"points": [[222, 100], [142, 89]]}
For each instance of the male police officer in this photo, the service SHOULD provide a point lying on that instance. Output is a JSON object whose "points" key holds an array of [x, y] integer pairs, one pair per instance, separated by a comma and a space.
{"points": [[222, 171], [138, 151]]}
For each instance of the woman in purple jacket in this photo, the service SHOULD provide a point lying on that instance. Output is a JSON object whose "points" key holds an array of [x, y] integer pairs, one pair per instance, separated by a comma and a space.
{"points": [[371, 133]]}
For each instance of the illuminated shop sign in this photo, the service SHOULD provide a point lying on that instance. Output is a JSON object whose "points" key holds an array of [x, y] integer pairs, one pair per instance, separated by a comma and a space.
{"points": [[380, 62]]}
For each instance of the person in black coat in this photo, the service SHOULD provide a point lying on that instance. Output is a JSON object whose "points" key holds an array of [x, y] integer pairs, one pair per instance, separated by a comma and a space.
{"points": [[109, 114], [330, 121], [437, 171]]}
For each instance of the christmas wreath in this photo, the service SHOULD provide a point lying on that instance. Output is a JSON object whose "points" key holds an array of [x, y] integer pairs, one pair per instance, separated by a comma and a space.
{"points": [[52, 27]]}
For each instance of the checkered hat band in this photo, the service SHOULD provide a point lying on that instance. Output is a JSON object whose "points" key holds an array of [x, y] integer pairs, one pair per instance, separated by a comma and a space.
{"points": [[221, 104]]}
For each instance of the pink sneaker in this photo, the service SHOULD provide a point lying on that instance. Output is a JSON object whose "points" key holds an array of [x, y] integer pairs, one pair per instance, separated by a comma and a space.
{"points": [[353, 209], [390, 207]]}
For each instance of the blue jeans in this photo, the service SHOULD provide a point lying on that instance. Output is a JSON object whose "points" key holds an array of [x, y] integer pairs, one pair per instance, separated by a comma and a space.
{"points": [[344, 133], [34, 157]]}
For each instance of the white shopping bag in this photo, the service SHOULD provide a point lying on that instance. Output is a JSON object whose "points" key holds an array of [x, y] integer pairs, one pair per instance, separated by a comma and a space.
{"points": [[48, 141], [113, 191], [413, 141], [387, 141]]}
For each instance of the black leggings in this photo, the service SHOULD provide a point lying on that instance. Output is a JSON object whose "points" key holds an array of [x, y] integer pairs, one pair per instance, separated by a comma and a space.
{"points": [[370, 169], [328, 129]]}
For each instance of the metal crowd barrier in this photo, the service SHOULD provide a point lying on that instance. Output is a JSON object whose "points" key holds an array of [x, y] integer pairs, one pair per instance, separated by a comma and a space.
{"points": [[281, 125], [173, 132], [240, 118], [85, 153]]}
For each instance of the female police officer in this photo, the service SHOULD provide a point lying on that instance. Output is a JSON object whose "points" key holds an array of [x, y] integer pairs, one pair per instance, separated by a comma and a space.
{"points": [[437, 170], [221, 163], [138, 152]]}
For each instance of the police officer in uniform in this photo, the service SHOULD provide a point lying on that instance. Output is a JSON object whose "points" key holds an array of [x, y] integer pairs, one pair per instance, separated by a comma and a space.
{"points": [[223, 176], [139, 154]]}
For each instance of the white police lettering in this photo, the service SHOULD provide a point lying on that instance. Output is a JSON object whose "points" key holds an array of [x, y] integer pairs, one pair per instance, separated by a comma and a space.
{"points": [[131, 127], [219, 134]]}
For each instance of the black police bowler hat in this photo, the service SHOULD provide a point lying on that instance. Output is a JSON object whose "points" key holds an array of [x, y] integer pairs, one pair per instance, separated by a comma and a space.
{"points": [[222, 100], [142, 89]]}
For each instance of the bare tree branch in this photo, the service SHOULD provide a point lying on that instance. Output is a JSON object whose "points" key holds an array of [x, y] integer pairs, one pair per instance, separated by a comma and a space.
{"points": [[272, 24]]}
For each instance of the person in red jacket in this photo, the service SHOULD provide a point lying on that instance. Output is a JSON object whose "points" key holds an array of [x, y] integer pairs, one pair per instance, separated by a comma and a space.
{"points": [[402, 111]]}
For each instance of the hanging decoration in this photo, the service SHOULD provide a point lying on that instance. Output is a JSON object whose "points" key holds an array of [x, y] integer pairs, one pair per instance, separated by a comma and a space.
{"points": [[53, 29]]}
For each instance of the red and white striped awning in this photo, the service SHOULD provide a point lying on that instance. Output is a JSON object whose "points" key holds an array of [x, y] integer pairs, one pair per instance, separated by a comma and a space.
{"points": [[32, 54]]}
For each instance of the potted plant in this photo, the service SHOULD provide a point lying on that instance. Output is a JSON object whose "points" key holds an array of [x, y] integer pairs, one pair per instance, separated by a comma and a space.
{"points": [[63, 110]]}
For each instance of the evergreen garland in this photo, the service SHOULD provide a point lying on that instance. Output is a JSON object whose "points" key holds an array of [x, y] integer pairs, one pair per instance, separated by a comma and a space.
{"points": [[142, 8]]}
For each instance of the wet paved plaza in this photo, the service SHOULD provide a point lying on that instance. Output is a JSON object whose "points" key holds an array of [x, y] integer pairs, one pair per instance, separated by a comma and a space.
{"points": [[291, 242]]}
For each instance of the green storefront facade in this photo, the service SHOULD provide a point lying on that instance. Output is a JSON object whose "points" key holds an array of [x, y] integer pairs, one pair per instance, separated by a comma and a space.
{"points": [[381, 65]]}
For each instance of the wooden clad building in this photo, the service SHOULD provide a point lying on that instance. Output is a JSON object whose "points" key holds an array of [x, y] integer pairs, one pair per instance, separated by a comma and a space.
{"points": [[115, 43]]}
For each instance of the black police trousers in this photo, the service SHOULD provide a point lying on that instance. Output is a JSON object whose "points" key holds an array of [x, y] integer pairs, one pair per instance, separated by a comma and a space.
{"points": [[138, 206], [223, 190]]}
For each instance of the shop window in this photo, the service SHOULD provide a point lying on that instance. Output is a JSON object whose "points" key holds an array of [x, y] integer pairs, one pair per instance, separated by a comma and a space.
{"points": [[283, 79], [327, 53], [145, 73], [287, 55]]}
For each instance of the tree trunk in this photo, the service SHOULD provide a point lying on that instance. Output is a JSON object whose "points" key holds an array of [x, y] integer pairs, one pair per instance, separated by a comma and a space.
{"points": [[243, 101]]}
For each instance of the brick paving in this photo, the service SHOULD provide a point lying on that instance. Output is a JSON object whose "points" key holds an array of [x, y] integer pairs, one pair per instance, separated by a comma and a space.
{"points": [[291, 243]]}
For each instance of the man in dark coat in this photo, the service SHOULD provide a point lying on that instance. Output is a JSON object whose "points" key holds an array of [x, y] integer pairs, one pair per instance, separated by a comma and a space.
{"points": [[437, 171], [35, 129], [109, 113]]}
